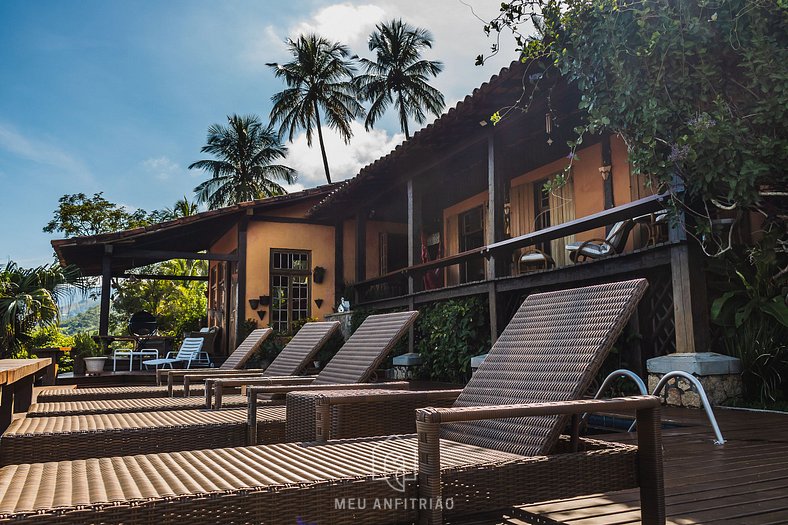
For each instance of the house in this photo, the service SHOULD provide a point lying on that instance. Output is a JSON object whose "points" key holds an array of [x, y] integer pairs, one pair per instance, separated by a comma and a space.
{"points": [[464, 207]]}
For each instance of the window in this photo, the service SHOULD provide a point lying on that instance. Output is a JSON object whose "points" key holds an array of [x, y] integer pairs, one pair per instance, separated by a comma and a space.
{"points": [[471, 229], [393, 252], [541, 210], [290, 288]]}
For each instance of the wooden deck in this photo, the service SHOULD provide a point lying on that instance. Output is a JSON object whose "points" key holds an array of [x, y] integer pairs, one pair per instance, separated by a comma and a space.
{"points": [[743, 482]]}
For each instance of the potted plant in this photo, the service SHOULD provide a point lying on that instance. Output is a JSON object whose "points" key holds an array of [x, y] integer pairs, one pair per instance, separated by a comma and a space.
{"points": [[318, 274], [89, 357]]}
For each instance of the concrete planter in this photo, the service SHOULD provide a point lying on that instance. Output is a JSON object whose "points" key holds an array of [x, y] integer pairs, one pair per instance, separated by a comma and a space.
{"points": [[94, 365]]}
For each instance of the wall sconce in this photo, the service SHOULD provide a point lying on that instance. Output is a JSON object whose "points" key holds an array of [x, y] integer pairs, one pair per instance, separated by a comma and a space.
{"points": [[605, 171]]}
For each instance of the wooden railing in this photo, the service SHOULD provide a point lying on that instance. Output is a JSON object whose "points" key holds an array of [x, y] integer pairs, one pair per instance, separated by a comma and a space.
{"points": [[394, 284]]}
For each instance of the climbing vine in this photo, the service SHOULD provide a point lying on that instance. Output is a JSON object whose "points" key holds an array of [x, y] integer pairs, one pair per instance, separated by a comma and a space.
{"points": [[698, 89]]}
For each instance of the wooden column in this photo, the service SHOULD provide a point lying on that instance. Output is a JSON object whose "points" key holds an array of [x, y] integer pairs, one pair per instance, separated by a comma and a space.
{"points": [[339, 259], [106, 282], [494, 232], [243, 227], [361, 244], [414, 234], [6, 404], [494, 227], [414, 251], [607, 173], [690, 314]]}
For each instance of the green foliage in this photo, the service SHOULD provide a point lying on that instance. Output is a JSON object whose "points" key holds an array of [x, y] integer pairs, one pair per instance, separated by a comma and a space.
{"points": [[179, 306], [319, 81], [85, 346], [449, 333], [753, 315], [244, 168], [87, 320], [80, 215], [28, 300], [696, 88], [399, 75], [49, 337]]}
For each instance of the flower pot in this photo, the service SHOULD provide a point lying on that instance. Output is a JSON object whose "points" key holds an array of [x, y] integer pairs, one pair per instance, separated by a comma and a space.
{"points": [[94, 365]]}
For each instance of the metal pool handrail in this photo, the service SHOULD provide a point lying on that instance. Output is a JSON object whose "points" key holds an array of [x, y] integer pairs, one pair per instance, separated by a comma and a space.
{"points": [[660, 385]]}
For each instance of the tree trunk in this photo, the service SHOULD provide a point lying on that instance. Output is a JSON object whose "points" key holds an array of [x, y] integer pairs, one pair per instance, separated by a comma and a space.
{"points": [[322, 145], [403, 116]]}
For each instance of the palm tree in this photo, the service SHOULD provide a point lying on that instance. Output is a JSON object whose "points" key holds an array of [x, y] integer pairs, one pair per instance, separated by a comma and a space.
{"points": [[243, 169], [399, 75], [319, 78], [182, 208], [29, 299]]}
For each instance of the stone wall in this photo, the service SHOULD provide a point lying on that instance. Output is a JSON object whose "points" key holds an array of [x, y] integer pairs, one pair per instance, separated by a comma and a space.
{"points": [[720, 376], [720, 389]]}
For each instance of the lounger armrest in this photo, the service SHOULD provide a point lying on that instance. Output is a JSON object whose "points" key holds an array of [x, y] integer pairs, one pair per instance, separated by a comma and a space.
{"points": [[580, 406], [389, 401], [253, 391], [214, 386], [649, 456], [190, 375]]}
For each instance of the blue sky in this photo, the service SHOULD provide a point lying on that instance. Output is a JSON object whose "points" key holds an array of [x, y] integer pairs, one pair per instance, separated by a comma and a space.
{"points": [[116, 96]]}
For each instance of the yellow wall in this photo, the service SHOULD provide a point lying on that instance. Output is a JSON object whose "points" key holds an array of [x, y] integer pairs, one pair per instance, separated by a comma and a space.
{"points": [[451, 236], [374, 229], [261, 237]]}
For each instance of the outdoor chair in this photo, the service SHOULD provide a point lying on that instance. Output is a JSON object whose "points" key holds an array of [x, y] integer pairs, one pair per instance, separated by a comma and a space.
{"points": [[613, 243], [532, 259], [35, 439], [233, 365], [498, 447], [291, 360], [190, 352]]}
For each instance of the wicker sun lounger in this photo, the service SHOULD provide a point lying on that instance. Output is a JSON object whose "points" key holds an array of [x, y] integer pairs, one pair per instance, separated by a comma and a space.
{"points": [[298, 353], [234, 363], [493, 451], [32, 439]]}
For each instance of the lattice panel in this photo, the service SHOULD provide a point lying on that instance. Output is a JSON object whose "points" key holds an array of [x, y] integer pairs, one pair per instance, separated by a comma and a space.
{"points": [[659, 313]]}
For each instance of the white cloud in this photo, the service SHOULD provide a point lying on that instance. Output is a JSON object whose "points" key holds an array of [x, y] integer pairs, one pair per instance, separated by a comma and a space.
{"points": [[163, 168], [344, 160], [41, 151], [345, 22]]}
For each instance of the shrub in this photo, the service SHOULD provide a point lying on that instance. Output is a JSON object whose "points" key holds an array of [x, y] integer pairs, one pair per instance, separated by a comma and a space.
{"points": [[449, 334], [85, 346]]}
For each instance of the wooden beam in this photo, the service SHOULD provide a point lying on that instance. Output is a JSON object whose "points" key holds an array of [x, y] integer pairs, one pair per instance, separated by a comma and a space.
{"points": [[163, 255], [159, 277], [106, 281], [494, 227], [243, 227], [361, 244], [289, 220]]}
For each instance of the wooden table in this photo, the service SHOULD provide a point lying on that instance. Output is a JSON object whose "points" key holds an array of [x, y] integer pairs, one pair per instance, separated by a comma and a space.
{"points": [[16, 378], [53, 353]]}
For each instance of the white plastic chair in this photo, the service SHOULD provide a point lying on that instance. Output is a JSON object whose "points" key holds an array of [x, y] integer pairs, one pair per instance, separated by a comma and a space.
{"points": [[190, 351]]}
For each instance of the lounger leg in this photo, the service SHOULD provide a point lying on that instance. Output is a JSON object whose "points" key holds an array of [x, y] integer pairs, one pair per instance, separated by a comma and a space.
{"points": [[170, 384], [7, 401], [251, 418], [429, 471], [186, 385], [23, 394], [652, 486], [217, 396], [208, 393]]}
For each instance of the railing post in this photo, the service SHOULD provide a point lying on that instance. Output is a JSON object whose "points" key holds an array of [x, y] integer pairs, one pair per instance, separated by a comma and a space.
{"points": [[652, 484]]}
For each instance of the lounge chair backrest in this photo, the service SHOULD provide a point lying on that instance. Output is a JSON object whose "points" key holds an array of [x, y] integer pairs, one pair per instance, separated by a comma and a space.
{"points": [[246, 349], [550, 351], [302, 348], [618, 234], [369, 345], [190, 348]]}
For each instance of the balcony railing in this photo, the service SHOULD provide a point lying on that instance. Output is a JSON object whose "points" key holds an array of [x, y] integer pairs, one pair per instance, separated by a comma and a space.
{"points": [[395, 284]]}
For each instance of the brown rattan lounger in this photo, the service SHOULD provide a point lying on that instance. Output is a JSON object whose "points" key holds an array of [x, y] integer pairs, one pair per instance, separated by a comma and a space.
{"points": [[298, 353], [33, 439], [489, 452], [234, 363]]}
